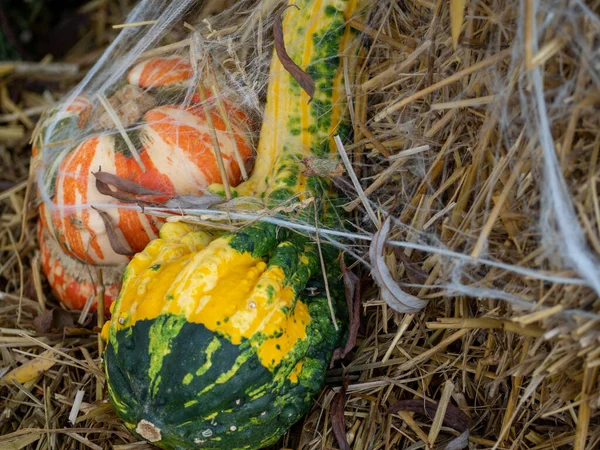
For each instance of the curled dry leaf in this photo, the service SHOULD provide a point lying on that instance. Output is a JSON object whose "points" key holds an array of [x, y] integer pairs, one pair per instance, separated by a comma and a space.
{"points": [[62, 319], [454, 417], [122, 184], [126, 191], [352, 289], [115, 235], [304, 80], [391, 293], [338, 424], [193, 201]]}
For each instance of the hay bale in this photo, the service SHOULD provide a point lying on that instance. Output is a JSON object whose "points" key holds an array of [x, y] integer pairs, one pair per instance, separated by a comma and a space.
{"points": [[477, 129]]}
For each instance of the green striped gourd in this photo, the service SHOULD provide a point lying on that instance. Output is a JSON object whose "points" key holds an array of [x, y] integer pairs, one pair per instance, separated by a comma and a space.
{"points": [[221, 342]]}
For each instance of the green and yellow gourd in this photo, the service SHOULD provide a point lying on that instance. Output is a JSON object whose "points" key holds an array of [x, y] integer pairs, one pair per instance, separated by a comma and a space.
{"points": [[221, 342]]}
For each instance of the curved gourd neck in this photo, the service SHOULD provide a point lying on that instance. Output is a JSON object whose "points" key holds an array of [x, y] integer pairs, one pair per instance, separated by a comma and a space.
{"points": [[293, 129]]}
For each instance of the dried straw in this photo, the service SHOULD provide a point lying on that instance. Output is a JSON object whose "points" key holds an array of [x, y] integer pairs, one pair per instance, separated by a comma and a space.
{"points": [[493, 115]]}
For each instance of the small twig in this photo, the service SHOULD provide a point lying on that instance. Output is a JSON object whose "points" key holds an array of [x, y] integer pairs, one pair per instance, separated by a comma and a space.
{"points": [[229, 127], [12, 133], [381, 179], [324, 272], [84, 441], [529, 18], [76, 405], [37, 282], [25, 209], [39, 70], [113, 115], [355, 182], [215, 140], [134, 24], [392, 72], [100, 313], [465, 103], [10, 106], [393, 42], [376, 143], [77, 362], [21, 274], [86, 308], [440, 413], [165, 49], [495, 213]]}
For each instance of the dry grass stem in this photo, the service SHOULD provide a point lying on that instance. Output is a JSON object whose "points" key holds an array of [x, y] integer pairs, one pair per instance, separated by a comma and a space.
{"points": [[215, 140]]}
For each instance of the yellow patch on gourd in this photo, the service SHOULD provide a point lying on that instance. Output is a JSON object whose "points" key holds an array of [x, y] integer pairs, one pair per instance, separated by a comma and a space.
{"points": [[211, 416], [293, 376], [118, 404], [228, 292], [105, 328]]}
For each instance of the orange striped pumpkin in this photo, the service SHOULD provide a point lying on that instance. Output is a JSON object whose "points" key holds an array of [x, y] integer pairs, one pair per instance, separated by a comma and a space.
{"points": [[160, 71], [71, 280], [175, 147], [177, 152]]}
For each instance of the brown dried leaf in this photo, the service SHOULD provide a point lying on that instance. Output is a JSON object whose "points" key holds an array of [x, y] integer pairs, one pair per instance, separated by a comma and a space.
{"points": [[391, 293], [304, 80], [352, 290], [131, 192], [123, 185], [115, 236], [43, 322], [78, 331], [105, 189], [62, 319], [193, 201], [338, 424], [53, 320], [127, 191], [454, 417]]}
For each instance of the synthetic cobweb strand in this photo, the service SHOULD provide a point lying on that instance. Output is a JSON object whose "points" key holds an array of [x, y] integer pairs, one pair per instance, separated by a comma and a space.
{"points": [[567, 233], [341, 238]]}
